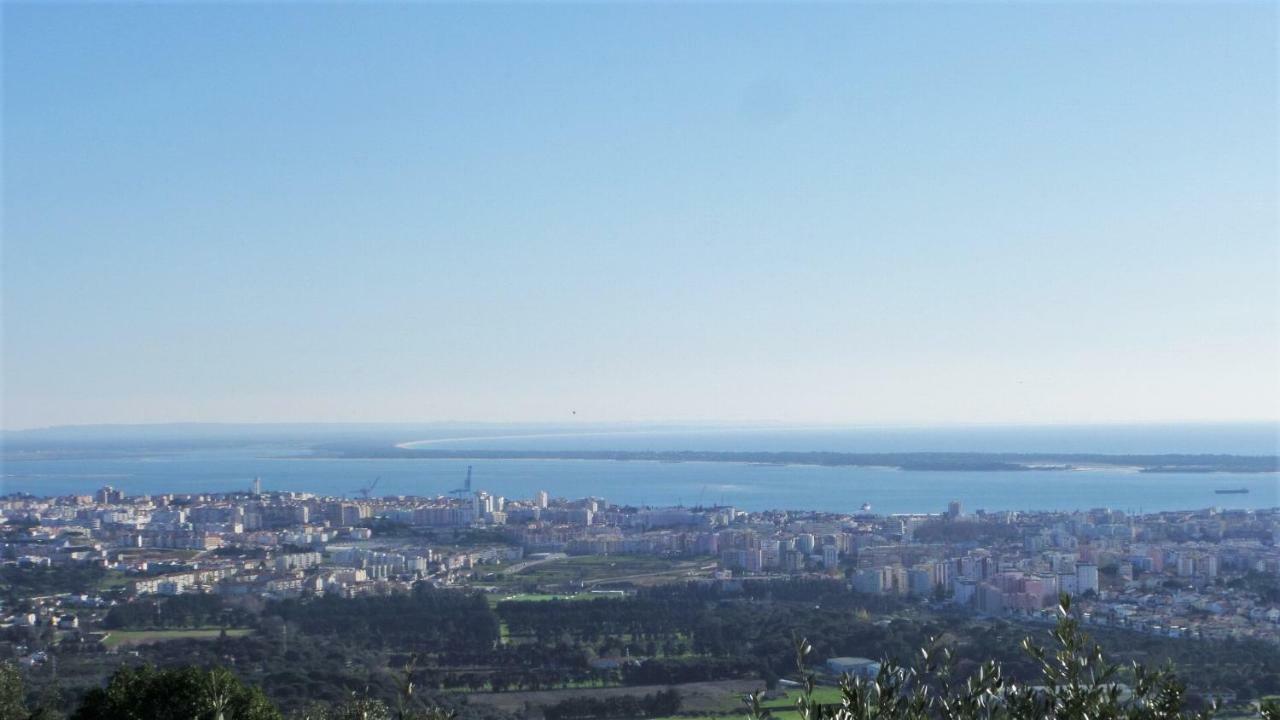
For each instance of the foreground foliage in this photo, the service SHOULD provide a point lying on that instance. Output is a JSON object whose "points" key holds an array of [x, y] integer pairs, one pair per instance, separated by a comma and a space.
{"points": [[307, 651], [1076, 683], [146, 693]]}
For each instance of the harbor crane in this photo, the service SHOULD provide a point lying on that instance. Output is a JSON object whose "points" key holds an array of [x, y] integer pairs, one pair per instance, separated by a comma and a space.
{"points": [[364, 491], [465, 490]]}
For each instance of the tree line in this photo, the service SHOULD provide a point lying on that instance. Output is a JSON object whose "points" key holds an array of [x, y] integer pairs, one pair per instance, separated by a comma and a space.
{"points": [[1075, 681], [325, 648]]}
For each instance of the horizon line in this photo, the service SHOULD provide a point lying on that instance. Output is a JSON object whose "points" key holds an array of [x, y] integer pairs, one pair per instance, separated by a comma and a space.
{"points": [[719, 424]]}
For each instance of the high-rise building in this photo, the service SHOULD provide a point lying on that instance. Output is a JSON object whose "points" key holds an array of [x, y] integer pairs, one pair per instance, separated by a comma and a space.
{"points": [[953, 509], [1186, 565], [1067, 583], [541, 499], [257, 486], [920, 581], [1207, 566], [108, 495], [895, 579], [345, 514], [942, 573], [868, 581], [830, 556], [1086, 577]]}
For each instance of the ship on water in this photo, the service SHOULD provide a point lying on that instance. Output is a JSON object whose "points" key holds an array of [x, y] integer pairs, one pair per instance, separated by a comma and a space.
{"points": [[1232, 491]]}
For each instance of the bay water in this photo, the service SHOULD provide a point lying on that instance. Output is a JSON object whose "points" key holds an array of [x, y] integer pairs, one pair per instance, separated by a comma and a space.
{"points": [[744, 485]]}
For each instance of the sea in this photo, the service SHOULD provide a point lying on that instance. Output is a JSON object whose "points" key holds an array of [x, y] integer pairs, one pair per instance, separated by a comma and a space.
{"points": [[293, 467]]}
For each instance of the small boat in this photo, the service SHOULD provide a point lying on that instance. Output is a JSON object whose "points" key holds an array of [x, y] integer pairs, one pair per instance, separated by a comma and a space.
{"points": [[1232, 491]]}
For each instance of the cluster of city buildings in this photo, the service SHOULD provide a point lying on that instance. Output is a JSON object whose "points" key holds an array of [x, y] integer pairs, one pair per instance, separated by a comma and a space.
{"points": [[1195, 573], [1184, 573]]}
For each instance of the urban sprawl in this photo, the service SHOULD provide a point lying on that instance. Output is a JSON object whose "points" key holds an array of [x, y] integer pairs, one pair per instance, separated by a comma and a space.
{"points": [[1169, 573]]}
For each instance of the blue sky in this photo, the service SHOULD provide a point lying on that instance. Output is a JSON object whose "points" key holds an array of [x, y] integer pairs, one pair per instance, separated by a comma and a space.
{"points": [[833, 213]]}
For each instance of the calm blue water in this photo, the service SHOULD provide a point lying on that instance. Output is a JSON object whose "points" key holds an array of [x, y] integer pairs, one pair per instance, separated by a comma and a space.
{"points": [[743, 485]]}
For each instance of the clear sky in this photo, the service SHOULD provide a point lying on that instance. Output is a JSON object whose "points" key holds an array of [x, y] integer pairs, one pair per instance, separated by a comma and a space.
{"points": [[808, 213]]}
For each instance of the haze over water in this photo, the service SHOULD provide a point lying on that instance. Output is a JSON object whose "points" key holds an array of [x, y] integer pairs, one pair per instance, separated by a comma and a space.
{"points": [[754, 487], [1194, 439]]}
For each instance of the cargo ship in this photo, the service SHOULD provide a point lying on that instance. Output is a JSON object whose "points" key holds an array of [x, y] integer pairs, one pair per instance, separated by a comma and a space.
{"points": [[1233, 491]]}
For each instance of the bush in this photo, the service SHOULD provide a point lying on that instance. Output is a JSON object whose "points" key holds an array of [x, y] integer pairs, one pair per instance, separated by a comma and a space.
{"points": [[1077, 683], [181, 694]]}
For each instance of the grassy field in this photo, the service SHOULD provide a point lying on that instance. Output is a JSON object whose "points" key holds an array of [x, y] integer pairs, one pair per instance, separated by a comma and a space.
{"points": [[782, 708], [113, 580], [719, 700], [704, 697], [495, 598], [595, 569], [121, 638]]}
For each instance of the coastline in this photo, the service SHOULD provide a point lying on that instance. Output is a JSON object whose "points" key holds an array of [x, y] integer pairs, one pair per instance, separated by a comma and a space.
{"points": [[913, 461]]}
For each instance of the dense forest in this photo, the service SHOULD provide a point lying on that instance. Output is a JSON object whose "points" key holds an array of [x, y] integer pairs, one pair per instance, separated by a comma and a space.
{"points": [[179, 611], [1072, 679], [325, 649], [426, 621]]}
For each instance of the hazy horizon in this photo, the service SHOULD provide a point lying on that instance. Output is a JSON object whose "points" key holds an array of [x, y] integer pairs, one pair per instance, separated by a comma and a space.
{"points": [[839, 214], [1225, 439], [692, 424]]}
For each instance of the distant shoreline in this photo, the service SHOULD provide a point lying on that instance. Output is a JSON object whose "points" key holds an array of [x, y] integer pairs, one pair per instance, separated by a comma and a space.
{"points": [[915, 461]]}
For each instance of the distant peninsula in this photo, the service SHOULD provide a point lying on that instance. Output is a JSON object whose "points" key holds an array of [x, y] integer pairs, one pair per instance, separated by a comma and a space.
{"points": [[920, 461]]}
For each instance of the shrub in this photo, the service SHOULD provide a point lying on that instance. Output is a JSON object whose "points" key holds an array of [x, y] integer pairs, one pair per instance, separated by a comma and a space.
{"points": [[1076, 683]]}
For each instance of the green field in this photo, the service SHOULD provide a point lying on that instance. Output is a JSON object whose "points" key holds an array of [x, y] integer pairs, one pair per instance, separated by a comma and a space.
{"points": [[592, 569], [113, 580], [783, 708], [120, 638], [495, 598]]}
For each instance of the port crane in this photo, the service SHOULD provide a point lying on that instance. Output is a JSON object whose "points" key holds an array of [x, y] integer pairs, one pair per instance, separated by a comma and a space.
{"points": [[465, 490], [364, 491]]}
